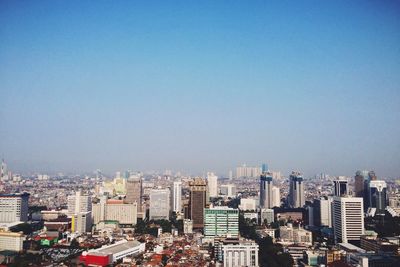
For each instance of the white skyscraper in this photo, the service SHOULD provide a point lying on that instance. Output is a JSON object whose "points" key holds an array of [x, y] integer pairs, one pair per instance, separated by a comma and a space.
{"points": [[323, 211], [276, 197], [348, 218], [78, 203], [212, 181], [159, 204], [177, 196]]}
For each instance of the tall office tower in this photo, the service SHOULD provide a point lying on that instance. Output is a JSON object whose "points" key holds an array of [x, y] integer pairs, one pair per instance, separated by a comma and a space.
{"points": [[341, 187], [377, 196], [159, 204], [348, 218], [198, 200], [266, 190], [212, 181], [177, 197], [78, 203], [3, 169], [134, 191], [276, 197], [264, 167], [359, 181], [296, 190], [14, 207], [221, 221], [372, 176], [323, 211]]}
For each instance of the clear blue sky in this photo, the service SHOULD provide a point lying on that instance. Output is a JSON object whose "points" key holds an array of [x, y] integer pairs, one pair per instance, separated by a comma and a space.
{"points": [[307, 85]]}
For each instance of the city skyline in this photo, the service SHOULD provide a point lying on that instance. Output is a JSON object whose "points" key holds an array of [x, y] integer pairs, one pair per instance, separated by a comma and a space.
{"points": [[198, 87]]}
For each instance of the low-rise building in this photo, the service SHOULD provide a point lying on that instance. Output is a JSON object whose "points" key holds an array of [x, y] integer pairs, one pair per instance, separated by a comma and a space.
{"points": [[11, 241], [109, 254]]}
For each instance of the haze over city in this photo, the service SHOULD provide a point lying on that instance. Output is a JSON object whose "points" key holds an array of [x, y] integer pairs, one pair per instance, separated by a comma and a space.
{"points": [[200, 86]]}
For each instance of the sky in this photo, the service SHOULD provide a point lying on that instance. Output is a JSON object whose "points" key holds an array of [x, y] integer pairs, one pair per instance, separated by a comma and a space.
{"points": [[200, 85]]}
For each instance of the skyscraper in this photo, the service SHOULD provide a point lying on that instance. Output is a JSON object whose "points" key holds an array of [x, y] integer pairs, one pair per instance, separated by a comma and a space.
{"points": [[276, 197], [14, 207], [323, 211], [212, 181], [197, 202], [348, 218], [134, 191], [377, 196], [341, 187], [359, 181], [296, 190], [78, 203], [159, 204], [266, 190], [177, 197]]}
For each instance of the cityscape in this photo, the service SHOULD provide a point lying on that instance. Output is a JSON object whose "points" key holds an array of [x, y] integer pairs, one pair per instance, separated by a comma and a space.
{"points": [[200, 133]]}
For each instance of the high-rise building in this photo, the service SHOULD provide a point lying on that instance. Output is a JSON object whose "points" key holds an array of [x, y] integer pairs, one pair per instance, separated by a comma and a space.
{"points": [[78, 203], [359, 183], [14, 207], [80, 210], [3, 170], [212, 181], [348, 218], [114, 210], [377, 196], [341, 187], [81, 222], [159, 204], [323, 211], [248, 172], [276, 197], [197, 202], [266, 190], [221, 221], [228, 190], [296, 190], [264, 168], [134, 191], [177, 197]]}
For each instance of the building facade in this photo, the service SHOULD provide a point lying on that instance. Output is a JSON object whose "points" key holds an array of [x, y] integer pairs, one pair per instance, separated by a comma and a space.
{"points": [[198, 200], [377, 196], [177, 197], [221, 221], [236, 252], [114, 210], [134, 191], [296, 190], [11, 241], [159, 204], [348, 218], [14, 207], [266, 190], [212, 181]]}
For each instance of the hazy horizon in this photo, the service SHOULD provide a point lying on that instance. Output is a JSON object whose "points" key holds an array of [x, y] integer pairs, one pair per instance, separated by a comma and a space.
{"points": [[309, 86]]}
